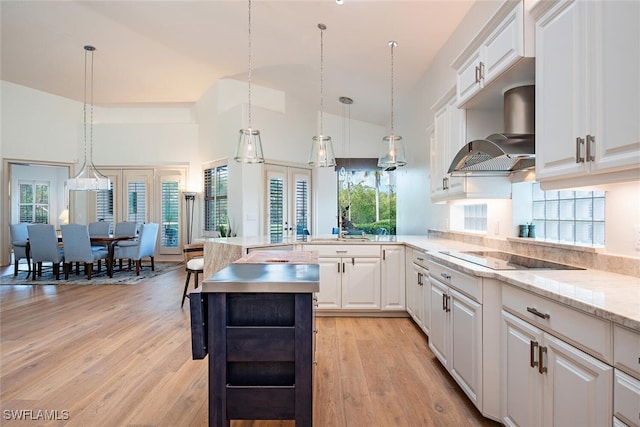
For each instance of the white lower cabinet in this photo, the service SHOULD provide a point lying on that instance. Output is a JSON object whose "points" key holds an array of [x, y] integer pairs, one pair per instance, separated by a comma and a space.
{"points": [[349, 276], [393, 280], [547, 382], [626, 400], [455, 337], [361, 283], [418, 295]]}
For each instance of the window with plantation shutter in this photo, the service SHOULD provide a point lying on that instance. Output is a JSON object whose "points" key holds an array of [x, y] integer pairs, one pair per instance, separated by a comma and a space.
{"points": [[170, 203], [104, 205], [276, 206], [137, 201], [215, 197]]}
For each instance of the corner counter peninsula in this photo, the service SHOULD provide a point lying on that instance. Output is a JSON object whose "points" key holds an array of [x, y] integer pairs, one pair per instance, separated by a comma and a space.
{"points": [[255, 319]]}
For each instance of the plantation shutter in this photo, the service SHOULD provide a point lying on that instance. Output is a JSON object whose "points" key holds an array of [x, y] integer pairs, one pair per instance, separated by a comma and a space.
{"points": [[170, 202], [276, 206], [137, 201], [104, 205], [302, 206]]}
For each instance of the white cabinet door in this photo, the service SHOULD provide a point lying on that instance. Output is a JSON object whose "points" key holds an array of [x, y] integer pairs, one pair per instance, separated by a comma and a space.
{"points": [[626, 395], [504, 47], [361, 283], [587, 104], [465, 316], [560, 91], [393, 281], [578, 388], [417, 298], [616, 85], [330, 294], [439, 323], [449, 136], [521, 382], [468, 78]]}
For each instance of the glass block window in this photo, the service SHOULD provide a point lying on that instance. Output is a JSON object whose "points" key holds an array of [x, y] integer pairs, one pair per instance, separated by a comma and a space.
{"points": [[34, 202], [575, 217], [475, 217]]}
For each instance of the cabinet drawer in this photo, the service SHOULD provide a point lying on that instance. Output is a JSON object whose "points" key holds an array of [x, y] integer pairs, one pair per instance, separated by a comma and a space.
{"points": [[469, 285], [626, 350], [419, 257], [364, 250], [626, 398], [586, 332]]}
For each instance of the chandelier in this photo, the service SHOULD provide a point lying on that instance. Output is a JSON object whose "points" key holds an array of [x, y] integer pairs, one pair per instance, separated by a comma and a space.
{"points": [[89, 178]]}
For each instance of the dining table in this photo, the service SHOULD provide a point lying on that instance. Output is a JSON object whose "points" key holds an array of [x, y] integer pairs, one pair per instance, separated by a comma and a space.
{"points": [[110, 242]]}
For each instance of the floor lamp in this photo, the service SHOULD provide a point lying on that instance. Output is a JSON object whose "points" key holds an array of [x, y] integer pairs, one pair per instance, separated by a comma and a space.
{"points": [[189, 197]]}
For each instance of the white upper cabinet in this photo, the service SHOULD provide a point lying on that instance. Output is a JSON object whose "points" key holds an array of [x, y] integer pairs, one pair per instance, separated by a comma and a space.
{"points": [[503, 42], [587, 92]]}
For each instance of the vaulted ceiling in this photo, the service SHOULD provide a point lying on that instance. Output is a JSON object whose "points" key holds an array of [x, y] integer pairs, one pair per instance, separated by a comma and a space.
{"points": [[173, 51]]}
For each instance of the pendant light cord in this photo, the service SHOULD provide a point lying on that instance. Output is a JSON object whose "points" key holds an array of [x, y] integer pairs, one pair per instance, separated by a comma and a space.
{"points": [[322, 28], [392, 44], [91, 113], [249, 73]]}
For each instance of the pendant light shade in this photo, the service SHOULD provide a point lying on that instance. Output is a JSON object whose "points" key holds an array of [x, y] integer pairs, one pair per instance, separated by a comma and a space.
{"points": [[249, 148], [89, 178], [393, 155], [322, 147]]}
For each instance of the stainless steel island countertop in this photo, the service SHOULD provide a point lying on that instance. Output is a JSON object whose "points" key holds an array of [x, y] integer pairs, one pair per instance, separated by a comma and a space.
{"points": [[274, 278]]}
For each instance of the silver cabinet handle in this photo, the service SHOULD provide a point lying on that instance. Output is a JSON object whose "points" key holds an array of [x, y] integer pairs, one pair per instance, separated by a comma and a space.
{"points": [[541, 351], [384, 254], [533, 310], [420, 259], [481, 70], [579, 143], [589, 143], [343, 269], [532, 353], [420, 279], [445, 276], [477, 74], [338, 267], [444, 302], [448, 303], [341, 252]]}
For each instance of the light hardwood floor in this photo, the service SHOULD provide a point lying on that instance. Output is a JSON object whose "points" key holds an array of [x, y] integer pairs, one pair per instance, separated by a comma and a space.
{"points": [[121, 356]]}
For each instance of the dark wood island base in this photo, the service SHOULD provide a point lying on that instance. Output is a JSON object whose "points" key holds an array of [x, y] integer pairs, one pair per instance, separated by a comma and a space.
{"points": [[257, 321]]}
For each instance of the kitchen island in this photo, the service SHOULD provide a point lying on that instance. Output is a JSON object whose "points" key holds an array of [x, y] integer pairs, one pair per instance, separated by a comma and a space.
{"points": [[255, 320]]}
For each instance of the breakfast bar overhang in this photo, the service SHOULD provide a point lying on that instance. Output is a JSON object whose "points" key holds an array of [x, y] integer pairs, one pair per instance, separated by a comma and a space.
{"points": [[256, 323]]}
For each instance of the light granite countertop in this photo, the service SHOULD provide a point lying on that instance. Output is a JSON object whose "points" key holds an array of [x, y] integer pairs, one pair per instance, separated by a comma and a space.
{"points": [[611, 296]]}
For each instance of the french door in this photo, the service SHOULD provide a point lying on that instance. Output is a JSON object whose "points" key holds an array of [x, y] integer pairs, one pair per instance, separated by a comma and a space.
{"points": [[288, 201], [142, 196]]}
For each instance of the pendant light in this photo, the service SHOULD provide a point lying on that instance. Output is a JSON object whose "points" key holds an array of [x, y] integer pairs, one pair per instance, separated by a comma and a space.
{"points": [[393, 155], [89, 178], [249, 144], [322, 148]]}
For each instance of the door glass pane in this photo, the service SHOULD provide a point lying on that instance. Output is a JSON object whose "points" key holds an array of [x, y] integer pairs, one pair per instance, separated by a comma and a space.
{"points": [[276, 207], [170, 203]]}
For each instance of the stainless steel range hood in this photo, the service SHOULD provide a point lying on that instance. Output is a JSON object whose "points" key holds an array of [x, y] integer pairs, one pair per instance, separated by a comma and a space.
{"points": [[503, 153]]}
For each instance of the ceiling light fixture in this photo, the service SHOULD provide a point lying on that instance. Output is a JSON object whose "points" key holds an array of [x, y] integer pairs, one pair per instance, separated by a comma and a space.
{"points": [[322, 148], [340, 1], [89, 178], [393, 155], [249, 145]]}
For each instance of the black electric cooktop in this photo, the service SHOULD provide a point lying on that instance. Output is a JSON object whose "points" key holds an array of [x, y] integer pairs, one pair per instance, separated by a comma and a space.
{"points": [[497, 260]]}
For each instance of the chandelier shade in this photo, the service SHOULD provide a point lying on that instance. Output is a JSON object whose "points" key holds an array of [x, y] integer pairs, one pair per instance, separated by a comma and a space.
{"points": [[249, 149], [393, 155], [322, 147], [89, 178]]}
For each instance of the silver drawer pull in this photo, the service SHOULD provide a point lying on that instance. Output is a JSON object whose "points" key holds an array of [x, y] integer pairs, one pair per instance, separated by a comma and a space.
{"points": [[532, 353], [533, 310], [420, 259], [341, 252], [445, 276]]}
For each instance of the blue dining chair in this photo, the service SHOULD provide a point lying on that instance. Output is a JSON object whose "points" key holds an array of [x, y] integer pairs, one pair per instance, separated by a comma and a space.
{"points": [[43, 245], [20, 244], [135, 250], [77, 248]]}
